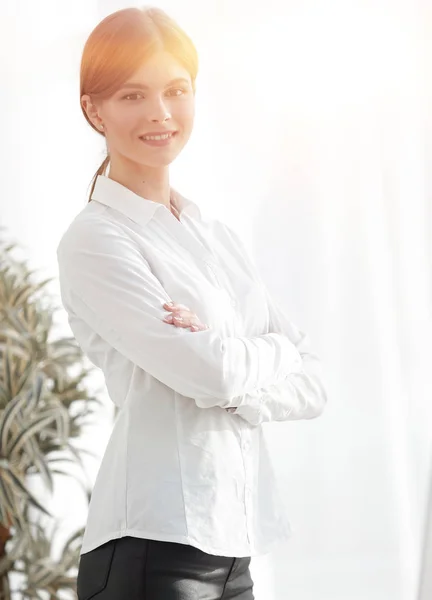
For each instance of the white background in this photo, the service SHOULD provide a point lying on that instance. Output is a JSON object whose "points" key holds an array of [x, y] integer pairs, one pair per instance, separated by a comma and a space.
{"points": [[313, 139]]}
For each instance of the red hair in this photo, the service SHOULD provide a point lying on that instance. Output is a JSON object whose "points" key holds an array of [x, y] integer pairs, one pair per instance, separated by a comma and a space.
{"points": [[119, 45]]}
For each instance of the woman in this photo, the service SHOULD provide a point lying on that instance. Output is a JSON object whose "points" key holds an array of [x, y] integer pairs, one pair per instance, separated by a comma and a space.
{"points": [[194, 351]]}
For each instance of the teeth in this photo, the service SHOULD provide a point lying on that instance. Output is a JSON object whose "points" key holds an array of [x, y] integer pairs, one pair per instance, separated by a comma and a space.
{"points": [[157, 137]]}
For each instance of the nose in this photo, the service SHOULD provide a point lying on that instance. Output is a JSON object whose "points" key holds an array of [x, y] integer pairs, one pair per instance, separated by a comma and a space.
{"points": [[158, 111]]}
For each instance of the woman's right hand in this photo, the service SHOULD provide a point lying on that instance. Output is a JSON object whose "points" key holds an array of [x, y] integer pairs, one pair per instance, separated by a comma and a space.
{"points": [[181, 316]]}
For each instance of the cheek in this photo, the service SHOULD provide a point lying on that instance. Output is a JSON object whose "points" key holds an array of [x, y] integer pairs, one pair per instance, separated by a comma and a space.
{"points": [[184, 114], [125, 120]]}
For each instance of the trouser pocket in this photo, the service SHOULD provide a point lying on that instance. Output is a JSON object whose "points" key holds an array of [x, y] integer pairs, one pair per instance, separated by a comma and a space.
{"points": [[94, 569]]}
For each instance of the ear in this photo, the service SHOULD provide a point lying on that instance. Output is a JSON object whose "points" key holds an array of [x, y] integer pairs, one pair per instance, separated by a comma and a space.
{"points": [[91, 110]]}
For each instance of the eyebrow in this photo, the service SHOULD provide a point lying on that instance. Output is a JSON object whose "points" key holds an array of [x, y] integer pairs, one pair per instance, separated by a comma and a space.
{"points": [[141, 86]]}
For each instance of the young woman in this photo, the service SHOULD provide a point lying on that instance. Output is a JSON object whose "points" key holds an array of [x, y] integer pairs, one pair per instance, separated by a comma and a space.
{"points": [[194, 351]]}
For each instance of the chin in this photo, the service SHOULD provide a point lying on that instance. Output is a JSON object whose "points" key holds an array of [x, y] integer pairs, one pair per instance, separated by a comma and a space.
{"points": [[162, 161]]}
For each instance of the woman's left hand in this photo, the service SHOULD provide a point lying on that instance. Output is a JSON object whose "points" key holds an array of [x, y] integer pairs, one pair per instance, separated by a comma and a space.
{"points": [[181, 316]]}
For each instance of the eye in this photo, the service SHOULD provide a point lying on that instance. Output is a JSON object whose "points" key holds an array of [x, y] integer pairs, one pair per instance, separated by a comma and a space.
{"points": [[177, 92], [129, 96], [181, 90]]}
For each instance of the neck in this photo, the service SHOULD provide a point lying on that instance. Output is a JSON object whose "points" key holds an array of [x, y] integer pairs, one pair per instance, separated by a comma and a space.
{"points": [[149, 183]]}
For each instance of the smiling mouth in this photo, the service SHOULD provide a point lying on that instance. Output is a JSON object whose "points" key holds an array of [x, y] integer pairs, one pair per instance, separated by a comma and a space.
{"points": [[158, 140], [158, 137]]}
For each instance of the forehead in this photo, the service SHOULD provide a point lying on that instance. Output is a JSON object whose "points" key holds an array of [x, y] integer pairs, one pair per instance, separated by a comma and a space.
{"points": [[159, 68]]}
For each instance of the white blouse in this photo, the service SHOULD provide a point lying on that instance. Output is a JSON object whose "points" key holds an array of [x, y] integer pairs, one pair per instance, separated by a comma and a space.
{"points": [[182, 463]]}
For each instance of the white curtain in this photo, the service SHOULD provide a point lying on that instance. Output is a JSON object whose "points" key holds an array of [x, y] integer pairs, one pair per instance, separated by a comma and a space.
{"points": [[313, 139]]}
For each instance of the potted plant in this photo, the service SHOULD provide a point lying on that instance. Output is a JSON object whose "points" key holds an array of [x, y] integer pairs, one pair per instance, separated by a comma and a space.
{"points": [[44, 406]]}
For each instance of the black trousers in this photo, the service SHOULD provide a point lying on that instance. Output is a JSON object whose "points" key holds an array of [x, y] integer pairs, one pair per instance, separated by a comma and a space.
{"points": [[131, 568]]}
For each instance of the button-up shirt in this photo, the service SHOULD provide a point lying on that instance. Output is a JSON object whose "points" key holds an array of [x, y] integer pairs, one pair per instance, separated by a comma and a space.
{"points": [[187, 460]]}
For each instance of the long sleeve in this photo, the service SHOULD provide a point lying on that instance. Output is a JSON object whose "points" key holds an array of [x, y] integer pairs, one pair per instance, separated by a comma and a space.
{"points": [[106, 281], [301, 394]]}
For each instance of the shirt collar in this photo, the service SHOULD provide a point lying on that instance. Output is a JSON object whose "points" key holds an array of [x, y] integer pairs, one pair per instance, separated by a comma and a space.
{"points": [[139, 209]]}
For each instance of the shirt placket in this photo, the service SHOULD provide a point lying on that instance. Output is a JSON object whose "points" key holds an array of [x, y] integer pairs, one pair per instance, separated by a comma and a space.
{"points": [[211, 264], [246, 450], [219, 280], [245, 434]]}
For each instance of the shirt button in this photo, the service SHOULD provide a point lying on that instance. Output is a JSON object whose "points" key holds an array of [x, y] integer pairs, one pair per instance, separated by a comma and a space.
{"points": [[233, 302]]}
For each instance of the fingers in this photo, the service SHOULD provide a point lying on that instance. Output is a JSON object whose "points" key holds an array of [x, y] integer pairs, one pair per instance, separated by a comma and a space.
{"points": [[186, 320], [181, 316], [175, 306], [182, 319]]}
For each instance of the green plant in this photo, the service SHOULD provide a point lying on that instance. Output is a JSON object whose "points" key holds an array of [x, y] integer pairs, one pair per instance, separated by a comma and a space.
{"points": [[44, 406]]}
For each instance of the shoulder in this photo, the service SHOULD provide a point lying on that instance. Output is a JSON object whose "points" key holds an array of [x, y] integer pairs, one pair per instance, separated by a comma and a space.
{"points": [[90, 229]]}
